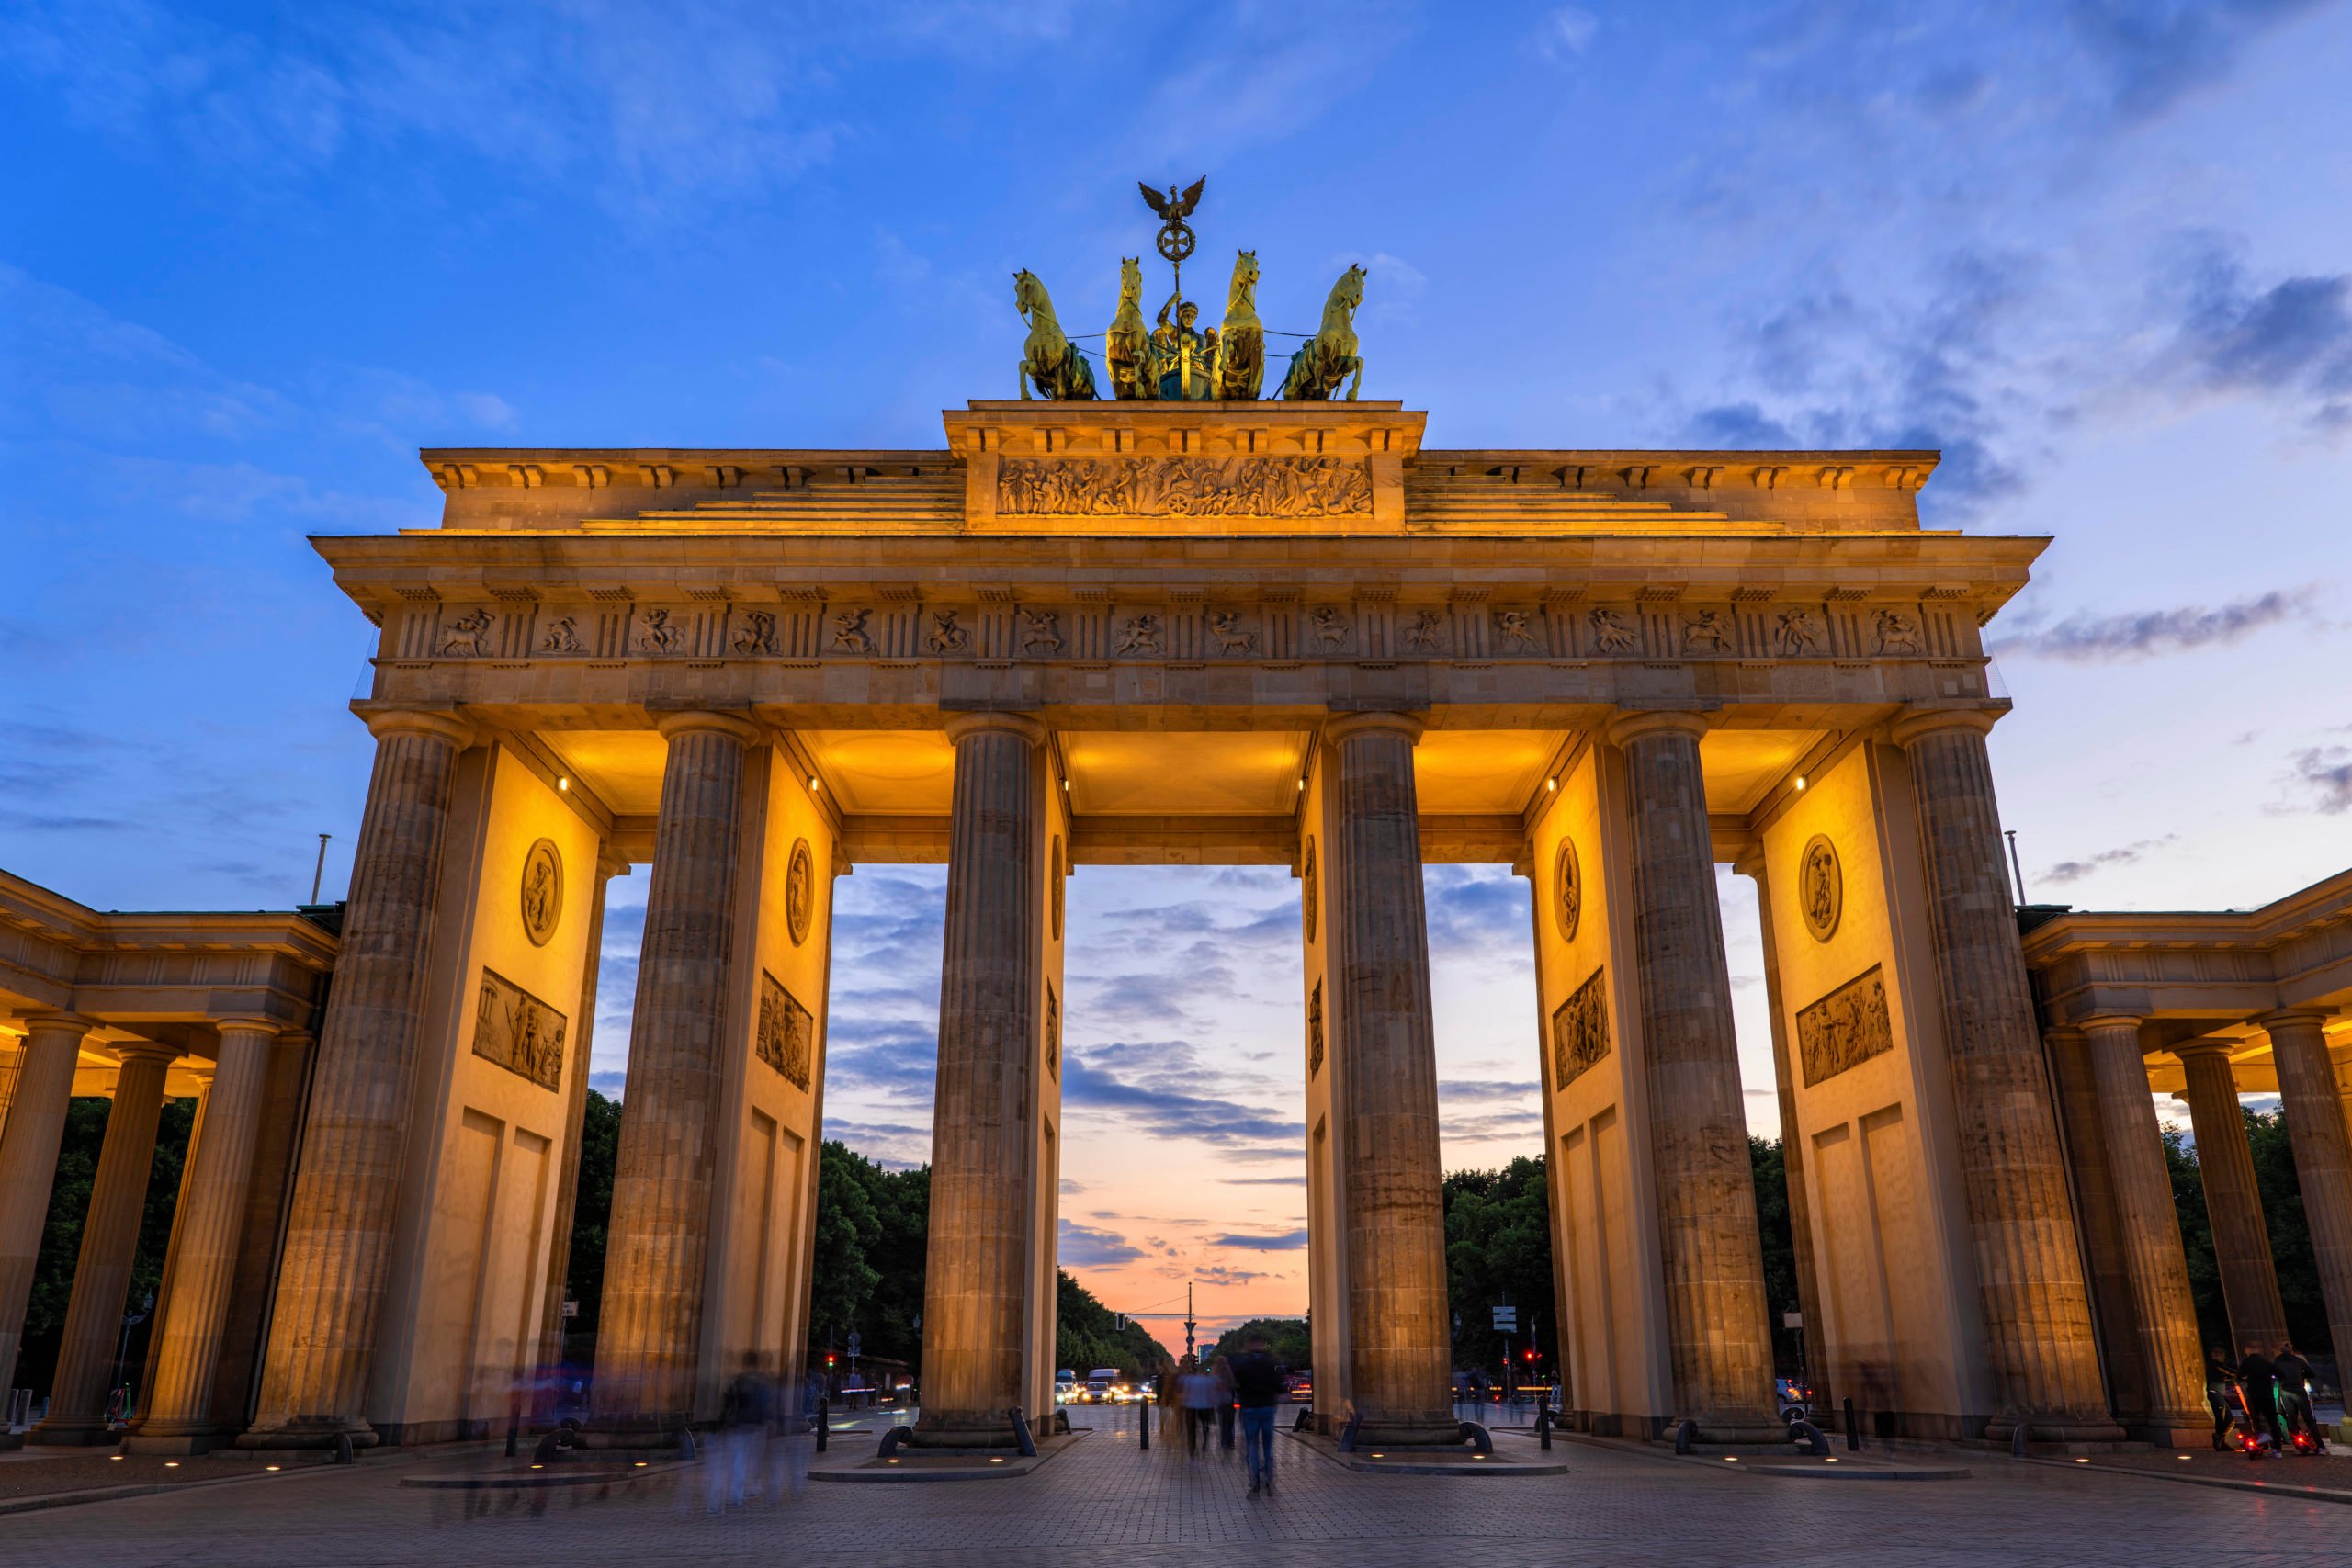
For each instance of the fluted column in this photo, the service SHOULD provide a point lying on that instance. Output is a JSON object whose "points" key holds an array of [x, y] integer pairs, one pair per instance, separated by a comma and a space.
{"points": [[2022, 1222], [2233, 1202], [1398, 1320], [575, 1114], [1793, 1150], [2163, 1310], [53, 1046], [2323, 1160], [975, 1289], [195, 1308], [2109, 1272], [337, 1252], [77, 1401], [650, 1329], [1717, 1346]]}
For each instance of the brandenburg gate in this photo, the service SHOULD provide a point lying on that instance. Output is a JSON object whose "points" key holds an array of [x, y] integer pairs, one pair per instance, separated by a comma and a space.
{"points": [[1170, 632], [1195, 633]]}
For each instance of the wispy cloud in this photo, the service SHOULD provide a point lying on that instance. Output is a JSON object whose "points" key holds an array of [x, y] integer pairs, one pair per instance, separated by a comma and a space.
{"points": [[2071, 871], [2319, 779], [1084, 1246], [1288, 1241], [2140, 634]]}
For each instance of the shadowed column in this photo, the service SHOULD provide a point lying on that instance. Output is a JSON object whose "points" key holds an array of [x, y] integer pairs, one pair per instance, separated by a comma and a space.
{"points": [[651, 1313], [2323, 1160], [2163, 1310], [1719, 1349], [974, 1288], [77, 1400], [195, 1307], [338, 1246], [2102, 1231], [575, 1114], [1385, 1045], [2233, 1202], [2021, 1217], [28, 1145]]}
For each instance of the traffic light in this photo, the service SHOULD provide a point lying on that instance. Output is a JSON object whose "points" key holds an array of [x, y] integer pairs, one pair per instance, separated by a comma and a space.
{"points": [[829, 1358]]}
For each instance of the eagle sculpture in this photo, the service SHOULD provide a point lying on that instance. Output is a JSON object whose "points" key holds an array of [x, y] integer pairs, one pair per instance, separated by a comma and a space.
{"points": [[1175, 209]]}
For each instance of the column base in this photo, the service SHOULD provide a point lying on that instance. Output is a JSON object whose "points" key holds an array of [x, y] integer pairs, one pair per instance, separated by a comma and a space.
{"points": [[1744, 1429], [2175, 1434], [2055, 1429], [964, 1429], [1408, 1431], [171, 1441], [309, 1432], [71, 1435]]}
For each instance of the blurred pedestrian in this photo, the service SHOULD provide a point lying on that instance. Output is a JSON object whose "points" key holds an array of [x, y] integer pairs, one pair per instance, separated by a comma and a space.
{"points": [[2221, 1394], [740, 1442], [1222, 1370], [1197, 1391], [1256, 1389]]}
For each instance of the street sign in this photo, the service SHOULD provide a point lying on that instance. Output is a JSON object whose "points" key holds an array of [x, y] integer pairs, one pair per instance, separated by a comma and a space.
{"points": [[1506, 1320], [1792, 1320], [856, 1343], [571, 1309]]}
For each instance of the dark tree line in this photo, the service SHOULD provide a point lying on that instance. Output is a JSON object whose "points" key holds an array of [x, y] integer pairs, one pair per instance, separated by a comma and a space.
{"points": [[2291, 1236]]}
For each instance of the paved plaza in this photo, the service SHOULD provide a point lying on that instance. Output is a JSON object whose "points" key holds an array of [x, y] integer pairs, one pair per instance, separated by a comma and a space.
{"points": [[1102, 1502]]}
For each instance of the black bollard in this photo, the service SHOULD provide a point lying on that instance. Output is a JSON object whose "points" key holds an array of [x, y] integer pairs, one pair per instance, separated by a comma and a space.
{"points": [[1543, 1424], [343, 1454], [1021, 1438], [1143, 1426], [824, 1420], [1853, 1432]]}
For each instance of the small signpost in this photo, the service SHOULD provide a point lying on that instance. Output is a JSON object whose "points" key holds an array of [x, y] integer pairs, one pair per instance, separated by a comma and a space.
{"points": [[1506, 1320]]}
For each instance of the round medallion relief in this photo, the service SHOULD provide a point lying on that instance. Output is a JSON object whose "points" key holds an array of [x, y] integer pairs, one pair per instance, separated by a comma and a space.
{"points": [[1567, 875], [1061, 871], [1307, 889], [1821, 888], [799, 892], [542, 891]]}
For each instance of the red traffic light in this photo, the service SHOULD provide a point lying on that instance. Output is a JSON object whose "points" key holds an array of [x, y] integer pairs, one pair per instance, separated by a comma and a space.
{"points": [[829, 1358], [1531, 1354]]}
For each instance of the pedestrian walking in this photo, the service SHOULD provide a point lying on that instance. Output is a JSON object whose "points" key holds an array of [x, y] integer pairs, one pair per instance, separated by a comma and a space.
{"points": [[2221, 1394], [735, 1469], [1222, 1370], [1197, 1390], [1256, 1389]]}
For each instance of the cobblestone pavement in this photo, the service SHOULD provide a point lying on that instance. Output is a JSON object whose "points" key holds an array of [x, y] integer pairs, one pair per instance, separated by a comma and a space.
{"points": [[1104, 1503]]}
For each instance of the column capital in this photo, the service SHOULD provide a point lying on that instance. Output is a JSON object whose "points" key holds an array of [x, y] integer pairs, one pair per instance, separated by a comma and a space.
{"points": [[695, 721], [1919, 722], [608, 865], [1347, 725], [2112, 1020], [73, 1023], [129, 1051], [248, 1022], [2287, 1018], [1628, 727], [1750, 860], [447, 724], [959, 725], [2205, 1047]]}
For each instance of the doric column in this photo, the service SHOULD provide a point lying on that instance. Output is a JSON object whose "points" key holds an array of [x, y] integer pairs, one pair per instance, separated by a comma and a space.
{"points": [[2322, 1160], [52, 1047], [2232, 1203], [77, 1401], [2163, 1310], [1792, 1151], [651, 1319], [1385, 1045], [575, 1114], [337, 1251], [1716, 1341], [195, 1307], [2109, 1272], [2029, 1267], [975, 1289]]}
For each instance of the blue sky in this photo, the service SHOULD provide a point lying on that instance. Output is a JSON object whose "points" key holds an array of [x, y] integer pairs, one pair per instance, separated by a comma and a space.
{"points": [[251, 257]]}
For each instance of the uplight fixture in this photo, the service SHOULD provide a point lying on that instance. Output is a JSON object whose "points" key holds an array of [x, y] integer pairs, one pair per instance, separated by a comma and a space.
{"points": [[1800, 783], [562, 782], [813, 786], [171, 1464]]}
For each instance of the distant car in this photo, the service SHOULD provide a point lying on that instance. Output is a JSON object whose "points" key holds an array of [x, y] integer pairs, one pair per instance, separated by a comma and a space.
{"points": [[1794, 1398], [1300, 1388]]}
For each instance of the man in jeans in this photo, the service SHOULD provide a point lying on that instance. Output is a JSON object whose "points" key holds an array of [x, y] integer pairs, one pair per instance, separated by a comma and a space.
{"points": [[1256, 1389]]}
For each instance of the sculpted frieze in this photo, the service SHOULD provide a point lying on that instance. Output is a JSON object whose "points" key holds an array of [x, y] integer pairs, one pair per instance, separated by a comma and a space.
{"points": [[1182, 487], [519, 1031], [1581, 1031], [787, 1032], [468, 634], [1845, 1028]]}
